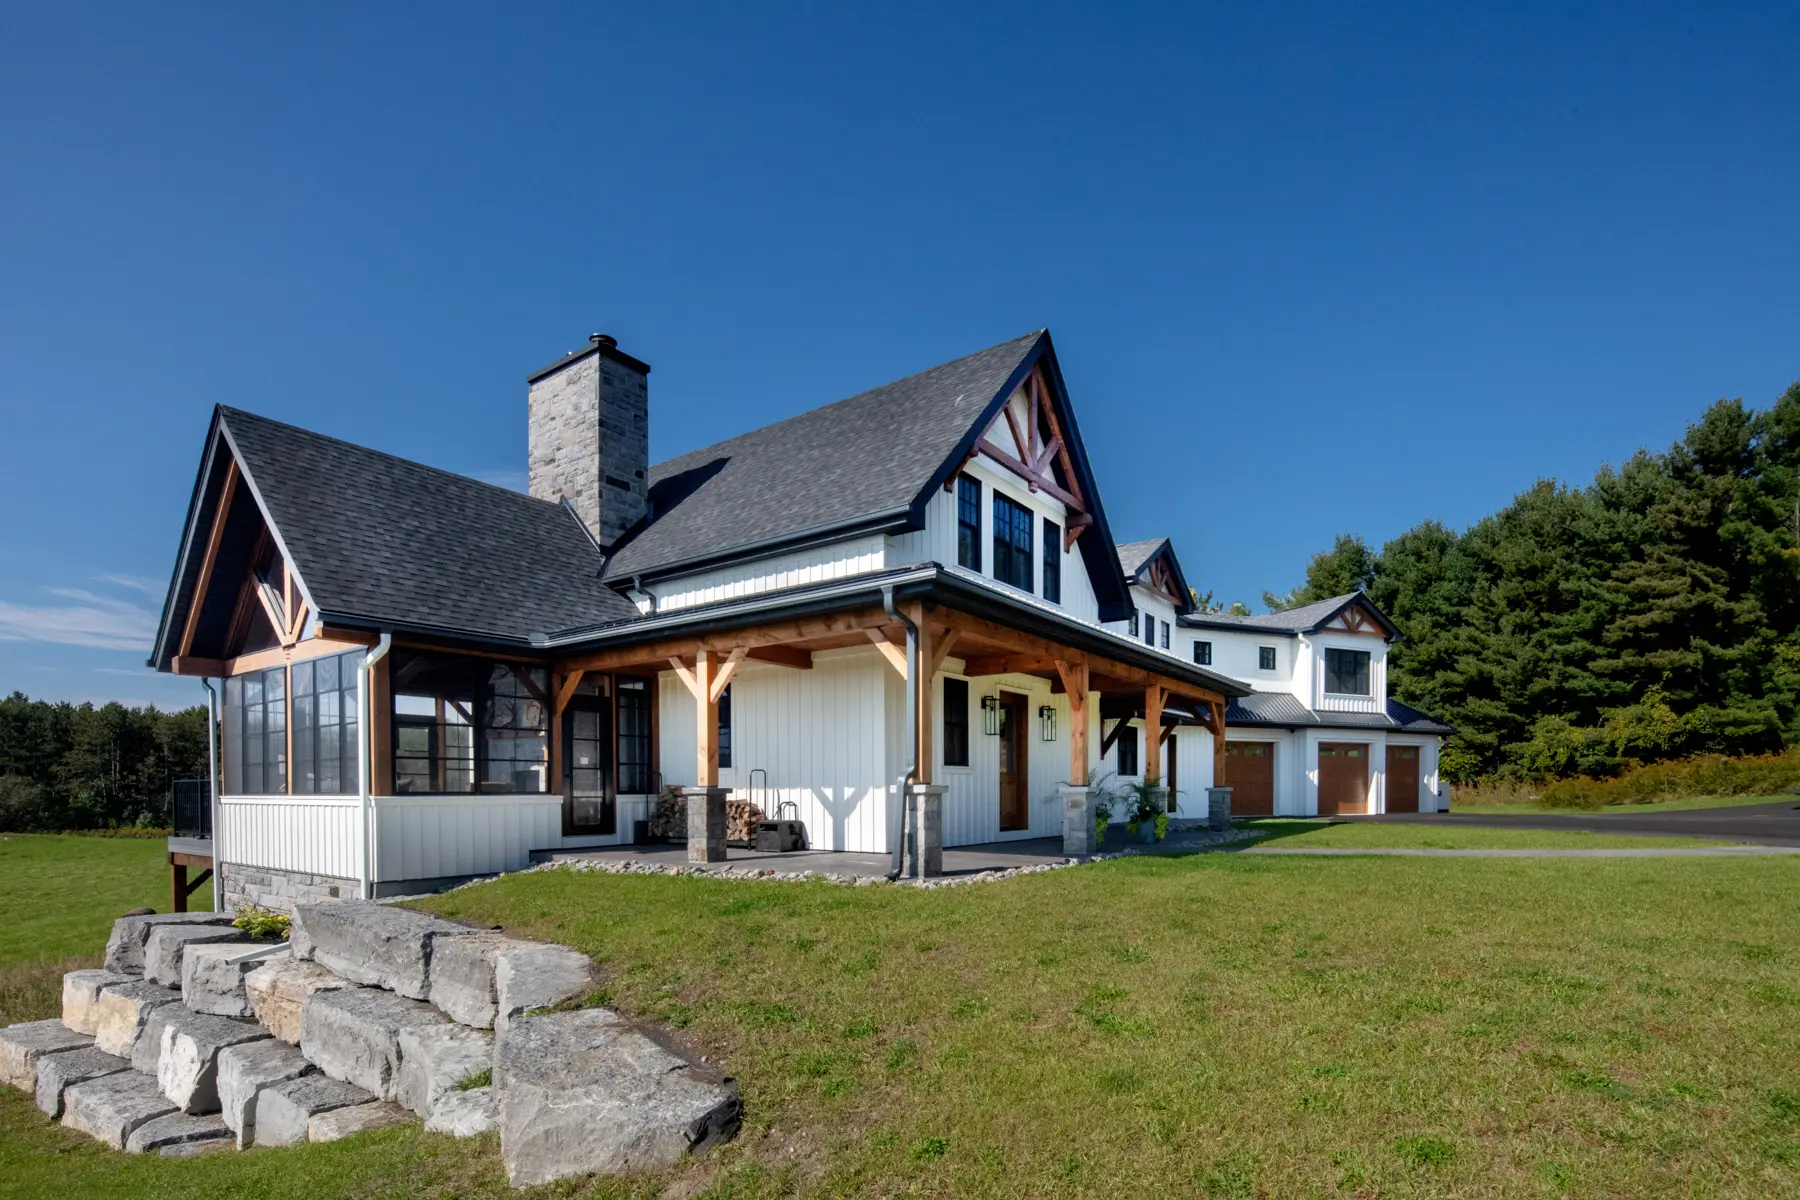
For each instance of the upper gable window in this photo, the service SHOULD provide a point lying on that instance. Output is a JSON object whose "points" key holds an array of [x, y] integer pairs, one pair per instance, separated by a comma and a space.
{"points": [[1012, 542], [1165, 635], [1346, 672], [1203, 654], [968, 522], [1265, 658], [1134, 622], [1149, 631], [1052, 568]]}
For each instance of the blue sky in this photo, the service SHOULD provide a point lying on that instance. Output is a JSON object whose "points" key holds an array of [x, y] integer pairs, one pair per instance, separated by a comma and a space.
{"points": [[1310, 269]]}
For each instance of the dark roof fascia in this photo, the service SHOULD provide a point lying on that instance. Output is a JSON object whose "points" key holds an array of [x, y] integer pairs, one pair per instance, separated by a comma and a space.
{"points": [[159, 655], [268, 519], [573, 356], [1185, 604], [1198, 621], [898, 520], [927, 582], [465, 639], [1098, 551], [1393, 630]]}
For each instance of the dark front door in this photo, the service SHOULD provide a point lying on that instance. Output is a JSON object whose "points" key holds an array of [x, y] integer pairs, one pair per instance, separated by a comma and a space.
{"points": [[1343, 778], [587, 784], [1402, 779], [1015, 772]]}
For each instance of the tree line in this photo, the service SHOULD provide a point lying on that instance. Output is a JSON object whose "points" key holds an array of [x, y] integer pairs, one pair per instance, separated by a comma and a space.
{"points": [[69, 766], [1652, 614]]}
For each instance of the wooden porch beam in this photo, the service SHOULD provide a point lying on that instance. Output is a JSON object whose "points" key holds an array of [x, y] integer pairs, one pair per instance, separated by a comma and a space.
{"points": [[783, 656], [723, 679], [1153, 710], [1074, 676], [922, 691], [895, 656], [1007, 664], [941, 649], [706, 720], [750, 639], [217, 534]]}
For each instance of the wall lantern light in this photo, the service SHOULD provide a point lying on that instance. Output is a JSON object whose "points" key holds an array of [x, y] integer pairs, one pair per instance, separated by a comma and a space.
{"points": [[990, 715], [1047, 717]]}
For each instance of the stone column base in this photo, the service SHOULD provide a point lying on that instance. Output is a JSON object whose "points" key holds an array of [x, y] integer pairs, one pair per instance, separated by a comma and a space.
{"points": [[1218, 808], [706, 823], [927, 832], [1079, 837]]}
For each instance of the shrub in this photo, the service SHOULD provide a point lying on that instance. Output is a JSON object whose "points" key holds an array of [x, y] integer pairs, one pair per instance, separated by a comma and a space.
{"points": [[1707, 775], [262, 924]]}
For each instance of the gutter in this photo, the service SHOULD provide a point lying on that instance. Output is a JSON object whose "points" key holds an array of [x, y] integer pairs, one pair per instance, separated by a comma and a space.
{"points": [[212, 786], [365, 761]]}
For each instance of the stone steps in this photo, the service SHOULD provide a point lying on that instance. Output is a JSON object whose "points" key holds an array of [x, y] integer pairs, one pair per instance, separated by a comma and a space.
{"points": [[375, 1016]]}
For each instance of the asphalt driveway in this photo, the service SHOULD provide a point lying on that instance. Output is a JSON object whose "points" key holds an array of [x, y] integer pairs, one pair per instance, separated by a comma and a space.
{"points": [[1773, 824]]}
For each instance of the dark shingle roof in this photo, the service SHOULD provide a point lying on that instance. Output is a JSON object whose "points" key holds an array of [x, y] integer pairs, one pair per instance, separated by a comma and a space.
{"points": [[1285, 711], [858, 460], [378, 537], [1133, 555], [1290, 621]]}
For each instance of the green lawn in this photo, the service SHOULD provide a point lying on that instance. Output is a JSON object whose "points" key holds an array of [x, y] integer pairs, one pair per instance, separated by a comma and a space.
{"points": [[1214, 1025], [1361, 835], [1675, 805]]}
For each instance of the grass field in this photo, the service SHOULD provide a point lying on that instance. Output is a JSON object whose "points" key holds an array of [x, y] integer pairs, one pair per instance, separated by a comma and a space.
{"points": [[1210, 1025], [1362, 835], [1675, 805]]}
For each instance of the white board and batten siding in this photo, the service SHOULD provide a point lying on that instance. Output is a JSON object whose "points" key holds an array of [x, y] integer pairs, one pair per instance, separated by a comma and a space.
{"points": [[818, 564], [818, 734], [972, 793], [312, 834]]}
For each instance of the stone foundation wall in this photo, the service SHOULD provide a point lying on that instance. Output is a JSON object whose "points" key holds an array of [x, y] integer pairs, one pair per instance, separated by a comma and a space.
{"points": [[279, 891]]}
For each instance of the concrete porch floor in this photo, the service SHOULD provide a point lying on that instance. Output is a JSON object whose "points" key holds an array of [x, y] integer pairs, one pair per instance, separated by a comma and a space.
{"points": [[958, 860]]}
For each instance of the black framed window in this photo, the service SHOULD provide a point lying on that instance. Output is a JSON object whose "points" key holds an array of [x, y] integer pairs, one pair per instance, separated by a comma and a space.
{"points": [[255, 734], [325, 717], [633, 699], [1346, 672], [968, 522], [1203, 654], [725, 727], [956, 722], [1134, 622], [1052, 562], [1127, 750], [1149, 630], [1012, 543], [1165, 635], [468, 725], [1265, 658]]}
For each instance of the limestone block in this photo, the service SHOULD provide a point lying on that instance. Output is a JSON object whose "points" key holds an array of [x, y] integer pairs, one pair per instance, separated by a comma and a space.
{"points": [[163, 948], [212, 983], [178, 1134], [187, 1063], [465, 1114], [244, 1071], [434, 1059], [283, 1110], [125, 947], [353, 1034], [358, 1118], [21, 1047], [122, 1012], [112, 1107], [56, 1073], [483, 979], [277, 989], [81, 997], [584, 1091], [374, 944]]}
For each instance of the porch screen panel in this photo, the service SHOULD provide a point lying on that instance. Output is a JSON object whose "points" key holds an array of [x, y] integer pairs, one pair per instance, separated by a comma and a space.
{"points": [[256, 733], [325, 716], [469, 725], [633, 699]]}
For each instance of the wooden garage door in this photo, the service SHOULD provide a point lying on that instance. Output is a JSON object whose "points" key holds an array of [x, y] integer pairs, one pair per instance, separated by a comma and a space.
{"points": [[1403, 779], [1249, 772], [1343, 778]]}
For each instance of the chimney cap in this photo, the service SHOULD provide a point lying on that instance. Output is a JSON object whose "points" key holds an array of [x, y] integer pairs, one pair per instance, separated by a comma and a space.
{"points": [[603, 344], [603, 339]]}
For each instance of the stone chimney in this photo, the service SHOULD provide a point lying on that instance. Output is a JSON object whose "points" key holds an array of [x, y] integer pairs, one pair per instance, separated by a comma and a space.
{"points": [[590, 436]]}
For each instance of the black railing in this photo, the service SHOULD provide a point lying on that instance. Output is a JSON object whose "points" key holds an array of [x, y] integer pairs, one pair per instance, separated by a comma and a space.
{"points": [[192, 808]]}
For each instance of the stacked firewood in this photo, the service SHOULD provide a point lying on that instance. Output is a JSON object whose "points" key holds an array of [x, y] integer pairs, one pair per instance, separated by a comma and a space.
{"points": [[669, 818]]}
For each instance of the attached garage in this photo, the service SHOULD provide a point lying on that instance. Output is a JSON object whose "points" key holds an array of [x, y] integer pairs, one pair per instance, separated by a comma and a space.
{"points": [[1343, 778], [1249, 771], [1403, 779]]}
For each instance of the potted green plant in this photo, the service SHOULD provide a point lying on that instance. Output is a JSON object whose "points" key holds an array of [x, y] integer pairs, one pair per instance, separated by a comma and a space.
{"points": [[1102, 818], [1144, 802]]}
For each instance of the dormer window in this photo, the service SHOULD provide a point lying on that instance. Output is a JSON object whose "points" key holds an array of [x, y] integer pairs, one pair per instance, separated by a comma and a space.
{"points": [[1346, 672]]}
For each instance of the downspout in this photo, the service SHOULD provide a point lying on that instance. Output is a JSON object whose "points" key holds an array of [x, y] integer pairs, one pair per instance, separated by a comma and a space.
{"points": [[212, 787], [364, 760], [912, 734]]}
